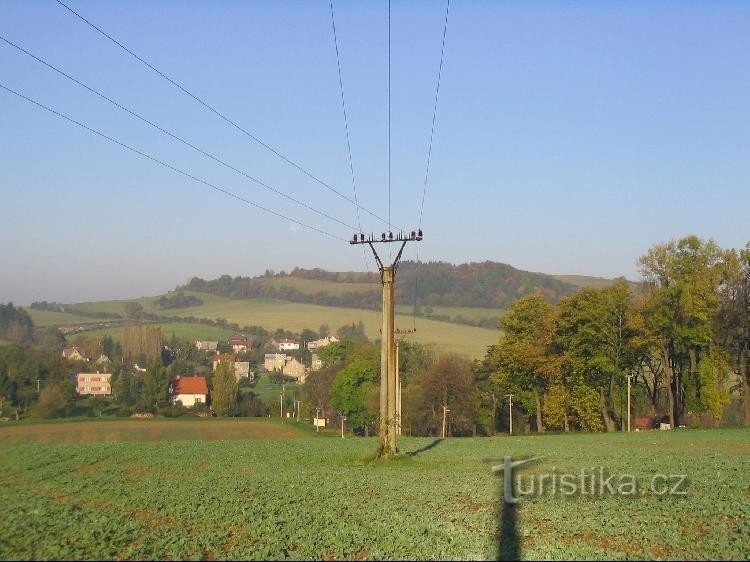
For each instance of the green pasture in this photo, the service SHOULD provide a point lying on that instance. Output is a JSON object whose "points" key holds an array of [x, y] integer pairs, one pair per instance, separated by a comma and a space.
{"points": [[313, 498], [52, 318]]}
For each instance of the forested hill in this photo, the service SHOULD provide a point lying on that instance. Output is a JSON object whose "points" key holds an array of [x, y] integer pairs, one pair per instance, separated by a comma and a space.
{"points": [[486, 285]]}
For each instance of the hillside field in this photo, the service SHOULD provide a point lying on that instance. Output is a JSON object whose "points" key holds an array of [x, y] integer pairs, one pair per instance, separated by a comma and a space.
{"points": [[323, 498], [274, 314]]}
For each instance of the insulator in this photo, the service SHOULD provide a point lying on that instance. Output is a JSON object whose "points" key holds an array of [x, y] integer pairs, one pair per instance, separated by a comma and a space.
{"points": [[382, 236], [390, 235]]}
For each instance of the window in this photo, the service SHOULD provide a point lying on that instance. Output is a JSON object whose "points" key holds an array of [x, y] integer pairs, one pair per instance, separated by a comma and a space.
{"points": [[198, 400]]}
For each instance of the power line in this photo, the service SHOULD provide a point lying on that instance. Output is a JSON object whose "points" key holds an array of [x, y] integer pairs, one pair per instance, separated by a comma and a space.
{"points": [[346, 127], [434, 111], [218, 113], [389, 114], [176, 137], [169, 166]]}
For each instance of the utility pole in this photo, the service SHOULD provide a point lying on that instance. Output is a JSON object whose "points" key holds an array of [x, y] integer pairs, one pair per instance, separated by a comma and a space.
{"points": [[628, 414], [445, 411], [281, 402], [398, 395], [510, 415], [388, 411], [342, 424]]}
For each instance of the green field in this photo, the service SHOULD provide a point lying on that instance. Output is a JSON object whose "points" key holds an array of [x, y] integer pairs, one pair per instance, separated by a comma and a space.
{"points": [[320, 498], [52, 318], [274, 314], [180, 329]]}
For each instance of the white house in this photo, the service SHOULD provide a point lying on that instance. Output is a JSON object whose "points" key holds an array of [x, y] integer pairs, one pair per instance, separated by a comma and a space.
{"points": [[288, 345], [188, 390], [274, 361], [322, 342], [205, 345]]}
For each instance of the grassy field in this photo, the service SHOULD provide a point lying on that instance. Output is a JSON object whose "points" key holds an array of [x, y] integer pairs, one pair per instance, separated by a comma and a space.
{"points": [[180, 329], [312, 286], [469, 312], [52, 318], [274, 314], [314, 498]]}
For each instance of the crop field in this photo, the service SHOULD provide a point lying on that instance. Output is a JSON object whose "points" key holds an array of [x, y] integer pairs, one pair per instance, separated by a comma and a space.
{"points": [[322, 498], [180, 329], [273, 314]]}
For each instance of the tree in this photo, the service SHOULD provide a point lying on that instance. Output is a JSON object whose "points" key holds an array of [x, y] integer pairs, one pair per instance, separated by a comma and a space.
{"points": [[733, 318], [522, 358], [133, 310], [352, 391], [596, 340], [155, 387], [324, 331], [353, 332], [224, 389], [51, 404], [683, 278], [447, 382]]}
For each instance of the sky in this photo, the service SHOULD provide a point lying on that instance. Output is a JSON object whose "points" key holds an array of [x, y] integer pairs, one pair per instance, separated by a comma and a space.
{"points": [[570, 137]]}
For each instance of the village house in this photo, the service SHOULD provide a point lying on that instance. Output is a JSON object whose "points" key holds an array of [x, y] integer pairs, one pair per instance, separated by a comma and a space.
{"points": [[241, 368], [73, 353], [274, 361], [205, 345], [189, 391], [294, 368], [95, 384], [288, 345], [322, 342], [239, 344]]}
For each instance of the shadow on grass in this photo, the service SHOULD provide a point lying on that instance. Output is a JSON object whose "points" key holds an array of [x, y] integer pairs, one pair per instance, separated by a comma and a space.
{"points": [[435, 443], [508, 538]]}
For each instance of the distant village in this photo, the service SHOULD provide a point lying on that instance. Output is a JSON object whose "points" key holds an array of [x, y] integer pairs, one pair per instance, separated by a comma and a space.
{"points": [[190, 389]]}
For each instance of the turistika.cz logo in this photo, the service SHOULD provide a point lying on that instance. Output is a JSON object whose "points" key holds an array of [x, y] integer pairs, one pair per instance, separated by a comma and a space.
{"points": [[594, 481]]}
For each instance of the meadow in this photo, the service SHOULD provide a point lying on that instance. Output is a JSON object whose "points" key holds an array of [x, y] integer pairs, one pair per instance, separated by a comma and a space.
{"points": [[309, 497]]}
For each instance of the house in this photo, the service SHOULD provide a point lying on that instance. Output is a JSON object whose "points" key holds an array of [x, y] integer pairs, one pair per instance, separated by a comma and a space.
{"points": [[274, 361], [317, 363], [73, 353], [188, 390], [103, 360], [205, 345], [96, 384], [322, 342], [230, 357], [242, 370], [239, 344], [294, 368], [288, 345]]}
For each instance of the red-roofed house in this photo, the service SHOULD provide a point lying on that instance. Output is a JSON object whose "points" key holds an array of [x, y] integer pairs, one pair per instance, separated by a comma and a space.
{"points": [[188, 390], [239, 344]]}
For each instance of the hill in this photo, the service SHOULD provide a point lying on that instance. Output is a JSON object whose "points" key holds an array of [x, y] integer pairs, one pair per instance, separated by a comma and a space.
{"points": [[581, 281], [483, 285]]}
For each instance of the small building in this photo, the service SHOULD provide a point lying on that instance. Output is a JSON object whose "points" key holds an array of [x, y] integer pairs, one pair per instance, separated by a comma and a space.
{"points": [[288, 345], [94, 384], [73, 353], [317, 363], [322, 342], [239, 344], [274, 361], [189, 391], [205, 345], [294, 368]]}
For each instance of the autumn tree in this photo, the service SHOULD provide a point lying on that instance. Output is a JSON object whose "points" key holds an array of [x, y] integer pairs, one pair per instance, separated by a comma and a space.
{"points": [[224, 389]]}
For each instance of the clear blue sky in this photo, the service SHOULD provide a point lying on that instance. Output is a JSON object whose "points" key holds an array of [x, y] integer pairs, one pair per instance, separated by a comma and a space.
{"points": [[570, 136]]}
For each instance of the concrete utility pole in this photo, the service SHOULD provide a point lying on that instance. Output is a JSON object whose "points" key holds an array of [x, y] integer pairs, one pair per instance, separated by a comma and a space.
{"points": [[445, 411], [510, 414], [398, 395], [628, 403], [343, 419], [388, 411]]}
